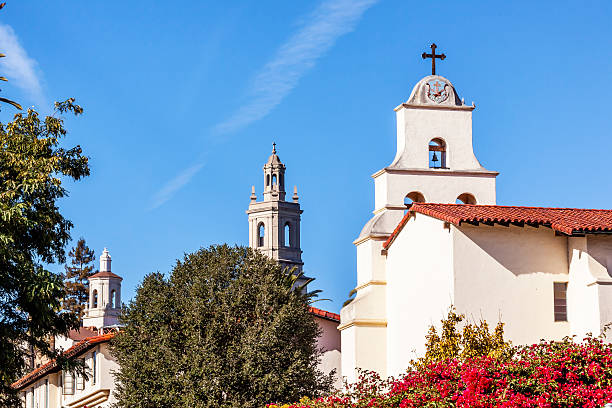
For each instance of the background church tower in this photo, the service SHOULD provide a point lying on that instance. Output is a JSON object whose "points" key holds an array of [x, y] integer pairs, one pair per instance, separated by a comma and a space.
{"points": [[104, 305], [274, 224]]}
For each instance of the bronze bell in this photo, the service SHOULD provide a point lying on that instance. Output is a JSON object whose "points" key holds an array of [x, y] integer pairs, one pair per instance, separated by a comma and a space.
{"points": [[434, 158]]}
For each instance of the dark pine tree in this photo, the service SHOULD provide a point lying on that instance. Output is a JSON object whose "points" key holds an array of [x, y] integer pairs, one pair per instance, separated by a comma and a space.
{"points": [[78, 270]]}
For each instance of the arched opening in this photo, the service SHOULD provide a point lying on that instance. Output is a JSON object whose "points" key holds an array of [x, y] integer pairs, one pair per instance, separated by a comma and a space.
{"points": [[113, 303], [413, 197], [466, 198], [274, 179], [281, 181], [94, 300], [437, 154], [268, 180], [287, 237], [261, 232]]}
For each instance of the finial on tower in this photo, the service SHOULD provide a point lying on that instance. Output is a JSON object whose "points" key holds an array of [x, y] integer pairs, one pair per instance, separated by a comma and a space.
{"points": [[105, 261], [253, 195], [433, 57], [273, 148], [295, 195]]}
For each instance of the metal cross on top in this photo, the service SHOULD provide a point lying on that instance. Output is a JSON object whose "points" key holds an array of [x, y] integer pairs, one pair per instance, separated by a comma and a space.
{"points": [[433, 57]]}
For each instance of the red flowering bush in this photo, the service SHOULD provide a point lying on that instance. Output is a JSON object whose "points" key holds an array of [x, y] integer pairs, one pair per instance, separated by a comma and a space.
{"points": [[548, 374]]}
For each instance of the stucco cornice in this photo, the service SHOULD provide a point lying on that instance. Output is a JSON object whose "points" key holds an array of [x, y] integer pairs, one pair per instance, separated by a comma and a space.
{"points": [[364, 323], [370, 283], [375, 237], [435, 107], [95, 398], [437, 172]]}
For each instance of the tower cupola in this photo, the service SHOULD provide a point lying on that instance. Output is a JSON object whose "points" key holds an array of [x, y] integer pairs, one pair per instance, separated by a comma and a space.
{"points": [[104, 306], [274, 178]]}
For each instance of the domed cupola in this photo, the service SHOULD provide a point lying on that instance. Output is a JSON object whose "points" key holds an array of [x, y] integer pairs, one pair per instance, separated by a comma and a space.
{"points": [[274, 177], [434, 90]]}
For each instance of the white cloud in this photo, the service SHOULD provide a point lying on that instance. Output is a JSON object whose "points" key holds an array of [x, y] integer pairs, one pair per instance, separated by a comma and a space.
{"points": [[18, 67], [332, 19], [171, 187]]}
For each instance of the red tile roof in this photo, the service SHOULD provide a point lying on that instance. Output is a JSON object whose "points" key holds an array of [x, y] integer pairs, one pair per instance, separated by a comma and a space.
{"points": [[565, 220], [52, 366], [82, 333], [105, 274], [325, 314]]}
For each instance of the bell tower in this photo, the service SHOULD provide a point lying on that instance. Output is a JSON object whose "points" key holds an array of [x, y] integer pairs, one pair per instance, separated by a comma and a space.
{"points": [[104, 305], [435, 163], [274, 224]]}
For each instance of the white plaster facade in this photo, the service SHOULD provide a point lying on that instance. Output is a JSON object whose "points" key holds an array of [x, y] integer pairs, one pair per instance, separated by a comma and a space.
{"points": [[487, 272]]}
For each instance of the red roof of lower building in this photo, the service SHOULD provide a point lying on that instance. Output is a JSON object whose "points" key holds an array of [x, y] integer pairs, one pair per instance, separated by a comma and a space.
{"points": [[105, 274], [569, 221], [325, 314], [52, 366]]}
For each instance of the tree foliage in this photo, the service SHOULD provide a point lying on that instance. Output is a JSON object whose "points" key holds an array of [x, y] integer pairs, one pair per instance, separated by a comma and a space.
{"points": [[472, 340], [76, 277], [33, 233], [224, 330]]}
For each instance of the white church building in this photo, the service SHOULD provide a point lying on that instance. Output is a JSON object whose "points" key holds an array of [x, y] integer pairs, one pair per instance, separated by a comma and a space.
{"points": [[48, 386], [437, 239]]}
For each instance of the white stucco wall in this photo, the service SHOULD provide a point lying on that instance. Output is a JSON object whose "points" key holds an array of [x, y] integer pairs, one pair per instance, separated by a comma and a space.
{"points": [[417, 126], [590, 286], [507, 273], [437, 186], [420, 288]]}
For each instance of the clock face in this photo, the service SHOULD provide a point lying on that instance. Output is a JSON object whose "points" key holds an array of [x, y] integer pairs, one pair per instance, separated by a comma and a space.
{"points": [[437, 90]]}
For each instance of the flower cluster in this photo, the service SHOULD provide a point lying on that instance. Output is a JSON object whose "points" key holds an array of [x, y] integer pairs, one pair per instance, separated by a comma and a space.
{"points": [[548, 374]]}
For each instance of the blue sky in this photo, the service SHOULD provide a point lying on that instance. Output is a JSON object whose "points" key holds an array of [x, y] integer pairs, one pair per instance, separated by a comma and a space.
{"points": [[183, 101]]}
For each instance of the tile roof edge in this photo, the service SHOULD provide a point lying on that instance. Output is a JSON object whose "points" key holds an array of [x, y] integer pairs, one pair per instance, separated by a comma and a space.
{"points": [[50, 366]]}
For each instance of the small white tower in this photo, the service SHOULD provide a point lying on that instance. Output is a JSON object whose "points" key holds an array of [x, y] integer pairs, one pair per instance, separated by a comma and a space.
{"points": [[274, 224], [104, 296]]}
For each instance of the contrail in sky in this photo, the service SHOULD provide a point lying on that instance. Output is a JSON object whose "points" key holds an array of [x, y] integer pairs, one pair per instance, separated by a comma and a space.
{"points": [[171, 187], [18, 67], [332, 19], [296, 56]]}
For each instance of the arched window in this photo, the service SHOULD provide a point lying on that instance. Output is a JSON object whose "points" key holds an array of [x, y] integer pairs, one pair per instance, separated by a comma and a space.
{"points": [[281, 181], [287, 240], [437, 154], [413, 197], [268, 180], [274, 179], [94, 301], [113, 303], [466, 198], [261, 232]]}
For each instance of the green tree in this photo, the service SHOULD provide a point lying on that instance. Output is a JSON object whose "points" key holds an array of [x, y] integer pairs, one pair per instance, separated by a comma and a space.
{"points": [[472, 340], [224, 330], [75, 279], [33, 233]]}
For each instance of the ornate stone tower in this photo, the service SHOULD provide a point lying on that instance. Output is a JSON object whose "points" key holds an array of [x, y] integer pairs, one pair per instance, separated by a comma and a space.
{"points": [[274, 224], [104, 296]]}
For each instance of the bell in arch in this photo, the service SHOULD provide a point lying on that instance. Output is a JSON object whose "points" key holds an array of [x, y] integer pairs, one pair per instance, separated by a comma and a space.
{"points": [[434, 158]]}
